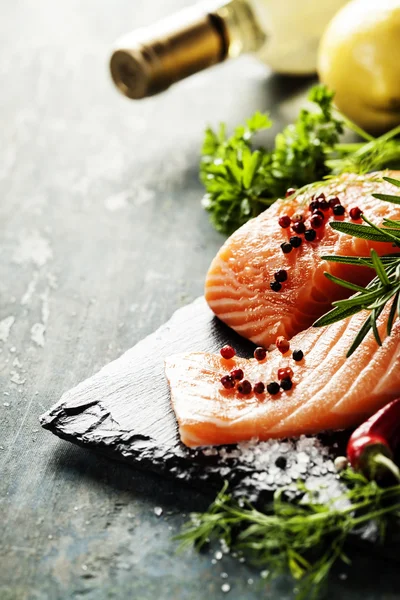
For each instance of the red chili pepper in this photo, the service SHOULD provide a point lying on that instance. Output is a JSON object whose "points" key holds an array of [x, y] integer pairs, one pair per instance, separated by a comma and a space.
{"points": [[372, 446]]}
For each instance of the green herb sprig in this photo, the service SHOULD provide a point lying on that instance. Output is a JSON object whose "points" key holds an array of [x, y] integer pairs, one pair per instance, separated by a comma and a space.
{"points": [[242, 181], [305, 537], [383, 289]]}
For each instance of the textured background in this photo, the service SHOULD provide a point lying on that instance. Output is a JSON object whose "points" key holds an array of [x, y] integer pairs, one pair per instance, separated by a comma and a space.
{"points": [[102, 238]]}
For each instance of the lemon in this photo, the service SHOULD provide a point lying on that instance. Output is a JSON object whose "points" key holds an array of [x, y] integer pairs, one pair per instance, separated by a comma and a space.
{"points": [[359, 58]]}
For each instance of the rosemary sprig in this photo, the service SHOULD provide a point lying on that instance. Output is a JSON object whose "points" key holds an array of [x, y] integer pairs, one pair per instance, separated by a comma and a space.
{"points": [[305, 537], [383, 289]]}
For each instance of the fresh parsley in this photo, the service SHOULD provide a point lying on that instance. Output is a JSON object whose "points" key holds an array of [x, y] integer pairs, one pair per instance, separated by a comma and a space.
{"points": [[241, 180]]}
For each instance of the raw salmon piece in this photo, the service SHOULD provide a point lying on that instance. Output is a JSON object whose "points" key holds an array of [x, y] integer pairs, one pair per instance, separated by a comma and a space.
{"points": [[329, 391], [238, 281]]}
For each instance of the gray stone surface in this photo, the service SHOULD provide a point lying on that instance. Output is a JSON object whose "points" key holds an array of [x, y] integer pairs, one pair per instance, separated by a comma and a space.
{"points": [[102, 238]]}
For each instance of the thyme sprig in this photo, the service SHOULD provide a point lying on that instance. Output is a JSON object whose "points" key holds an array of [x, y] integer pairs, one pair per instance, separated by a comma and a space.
{"points": [[305, 537], [383, 289]]}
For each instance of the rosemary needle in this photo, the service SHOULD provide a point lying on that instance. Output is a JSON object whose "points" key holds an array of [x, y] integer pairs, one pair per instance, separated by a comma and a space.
{"points": [[383, 289]]}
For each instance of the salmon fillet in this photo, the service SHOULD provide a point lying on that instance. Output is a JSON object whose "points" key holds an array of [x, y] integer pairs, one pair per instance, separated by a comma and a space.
{"points": [[237, 286], [329, 391]]}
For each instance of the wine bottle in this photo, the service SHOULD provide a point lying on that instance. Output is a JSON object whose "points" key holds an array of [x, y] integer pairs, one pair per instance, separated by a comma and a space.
{"points": [[284, 34]]}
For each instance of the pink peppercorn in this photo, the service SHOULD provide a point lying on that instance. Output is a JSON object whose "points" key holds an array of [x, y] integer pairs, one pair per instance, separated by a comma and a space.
{"points": [[228, 382], [323, 205], [285, 221], [355, 213], [334, 201], [299, 227], [282, 344], [245, 387], [285, 373], [227, 352], [237, 374], [259, 387], [316, 221], [260, 353]]}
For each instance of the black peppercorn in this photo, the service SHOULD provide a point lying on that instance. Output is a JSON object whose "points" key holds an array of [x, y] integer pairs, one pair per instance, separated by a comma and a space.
{"points": [[275, 286], [286, 247], [286, 384], [310, 235], [298, 355], [273, 388], [338, 210], [296, 241]]}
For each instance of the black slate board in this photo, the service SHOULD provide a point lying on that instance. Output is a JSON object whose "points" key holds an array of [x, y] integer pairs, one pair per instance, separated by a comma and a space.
{"points": [[124, 411]]}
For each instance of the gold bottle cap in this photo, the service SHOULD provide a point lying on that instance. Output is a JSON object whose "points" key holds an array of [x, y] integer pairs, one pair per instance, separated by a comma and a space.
{"points": [[148, 61]]}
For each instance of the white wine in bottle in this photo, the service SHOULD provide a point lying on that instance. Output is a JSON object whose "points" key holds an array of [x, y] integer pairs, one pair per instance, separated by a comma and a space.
{"points": [[282, 33]]}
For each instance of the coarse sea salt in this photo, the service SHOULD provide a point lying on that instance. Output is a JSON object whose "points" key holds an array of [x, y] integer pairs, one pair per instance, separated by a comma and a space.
{"points": [[304, 457]]}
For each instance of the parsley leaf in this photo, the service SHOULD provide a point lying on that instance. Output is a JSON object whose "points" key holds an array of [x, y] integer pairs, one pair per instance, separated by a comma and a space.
{"points": [[241, 181]]}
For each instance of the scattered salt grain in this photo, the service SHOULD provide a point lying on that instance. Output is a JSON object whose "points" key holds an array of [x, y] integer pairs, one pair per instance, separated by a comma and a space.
{"points": [[213, 561], [84, 567], [6, 393], [225, 587], [264, 574], [210, 451], [158, 511], [250, 581], [6, 404], [224, 546], [50, 537], [13, 350], [218, 555], [224, 575]]}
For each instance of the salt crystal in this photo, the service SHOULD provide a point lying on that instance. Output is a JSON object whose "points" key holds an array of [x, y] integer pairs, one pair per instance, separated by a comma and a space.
{"points": [[225, 587], [213, 561], [158, 511], [210, 451], [13, 350], [250, 581], [264, 574], [6, 404], [224, 546], [218, 555], [50, 537], [84, 567], [224, 575], [6, 393]]}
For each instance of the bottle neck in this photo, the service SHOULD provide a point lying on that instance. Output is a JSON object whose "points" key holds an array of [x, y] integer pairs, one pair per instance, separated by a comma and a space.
{"points": [[243, 32], [148, 61]]}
